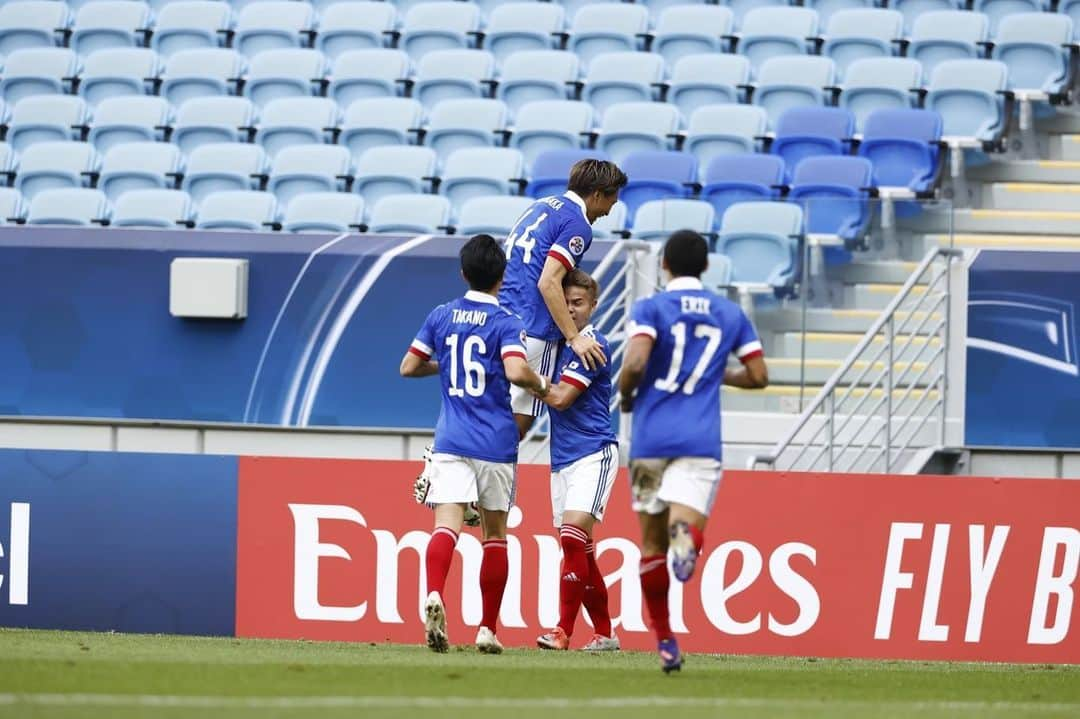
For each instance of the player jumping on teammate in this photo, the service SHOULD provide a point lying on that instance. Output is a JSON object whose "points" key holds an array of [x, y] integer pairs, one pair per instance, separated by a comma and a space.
{"points": [[675, 361]]}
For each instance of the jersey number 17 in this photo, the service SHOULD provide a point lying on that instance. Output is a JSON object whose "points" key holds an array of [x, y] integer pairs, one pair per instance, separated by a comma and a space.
{"points": [[670, 383]]}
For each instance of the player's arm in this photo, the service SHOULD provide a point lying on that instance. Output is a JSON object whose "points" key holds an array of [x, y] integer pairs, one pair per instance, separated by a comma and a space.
{"points": [[752, 375], [550, 286], [520, 373], [417, 361], [561, 396], [633, 370]]}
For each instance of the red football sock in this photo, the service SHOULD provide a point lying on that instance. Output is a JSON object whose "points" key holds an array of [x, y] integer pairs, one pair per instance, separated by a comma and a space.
{"points": [[698, 536], [440, 552], [575, 574], [595, 599], [493, 571], [654, 589]]}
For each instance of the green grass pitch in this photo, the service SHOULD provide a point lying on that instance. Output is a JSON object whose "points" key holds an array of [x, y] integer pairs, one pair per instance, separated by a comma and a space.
{"points": [[62, 675]]}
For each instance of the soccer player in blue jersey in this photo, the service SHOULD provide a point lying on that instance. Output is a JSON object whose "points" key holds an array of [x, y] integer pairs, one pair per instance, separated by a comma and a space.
{"points": [[548, 241], [675, 362], [584, 462], [477, 349]]}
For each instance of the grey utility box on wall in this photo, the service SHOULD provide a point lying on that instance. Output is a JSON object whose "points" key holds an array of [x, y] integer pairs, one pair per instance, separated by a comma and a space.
{"points": [[208, 287]]}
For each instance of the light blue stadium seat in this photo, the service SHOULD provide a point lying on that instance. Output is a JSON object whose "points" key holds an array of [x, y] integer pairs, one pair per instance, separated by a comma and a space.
{"points": [[1032, 45], [947, 35], [857, 34], [656, 176], [238, 210], [657, 219], [393, 170], [9, 164], [355, 25], [12, 206], [707, 79], [162, 209], [359, 74], [803, 132], [657, 7], [203, 120], [43, 118], [522, 26], [535, 75], [478, 171], [902, 146], [551, 125], [634, 126], [880, 84], [996, 10], [770, 32], [613, 223], [716, 130], [455, 124], [731, 179], [130, 119], [1072, 9], [452, 74], [191, 24], [118, 72], [295, 72], [140, 166], [52, 165], [691, 29], [297, 121], [69, 206], [717, 275], [760, 239], [104, 24], [911, 9], [224, 166], [494, 215], [38, 71], [439, 25], [410, 214], [833, 194], [202, 72], [792, 81], [334, 212], [827, 9], [623, 77], [966, 95], [379, 121], [309, 168], [607, 27], [273, 25], [551, 169], [34, 23], [741, 7]]}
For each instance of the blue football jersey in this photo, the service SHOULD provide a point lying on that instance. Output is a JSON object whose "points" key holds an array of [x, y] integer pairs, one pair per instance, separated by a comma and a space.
{"points": [[584, 427], [551, 227], [677, 408], [469, 338]]}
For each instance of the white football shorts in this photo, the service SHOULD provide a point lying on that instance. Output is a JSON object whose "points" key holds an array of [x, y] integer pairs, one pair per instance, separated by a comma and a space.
{"points": [[457, 479], [585, 485], [542, 356], [690, 481]]}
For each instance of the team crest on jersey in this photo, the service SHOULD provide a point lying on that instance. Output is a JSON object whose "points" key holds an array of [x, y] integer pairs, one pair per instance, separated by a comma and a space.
{"points": [[576, 244]]}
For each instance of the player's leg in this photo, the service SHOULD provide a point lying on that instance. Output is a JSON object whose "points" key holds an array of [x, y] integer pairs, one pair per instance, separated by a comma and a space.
{"points": [[542, 356], [497, 483], [689, 488], [452, 487]]}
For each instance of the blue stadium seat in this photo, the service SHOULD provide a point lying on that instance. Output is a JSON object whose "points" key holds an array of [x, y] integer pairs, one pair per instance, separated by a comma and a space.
{"points": [[1072, 9], [324, 212], [966, 93], [761, 240], [657, 175], [494, 215], [309, 168], [355, 25], [691, 29], [792, 81], [296, 121], [9, 164], [163, 209], [105, 24], [273, 25], [69, 206], [238, 210], [410, 214], [717, 275], [730, 179], [551, 125], [902, 146], [769, 32], [857, 34], [478, 171], [827, 9], [911, 9], [42, 118], [997, 10], [379, 121], [614, 222], [451, 74], [130, 119], [551, 169], [657, 219], [38, 71], [393, 170], [522, 26], [803, 132], [202, 72], [294, 72], [12, 206], [880, 84], [455, 124], [633, 126], [223, 167], [52, 165], [439, 25], [534, 75], [203, 120], [359, 74], [623, 77], [607, 27], [947, 35], [140, 166], [724, 129], [833, 194], [1033, 46], [118, 72], [741, 7], [33, 23], [707, 79], [191, 24]]}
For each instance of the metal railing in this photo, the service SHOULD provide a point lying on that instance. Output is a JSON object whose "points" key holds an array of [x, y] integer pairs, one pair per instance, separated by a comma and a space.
{"points": [[877, 408]]}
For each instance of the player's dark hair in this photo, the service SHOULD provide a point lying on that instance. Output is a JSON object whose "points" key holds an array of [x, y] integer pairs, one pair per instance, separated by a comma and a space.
{"points": [[589, 176], [581, 278], [686, 253], [483, 262]]}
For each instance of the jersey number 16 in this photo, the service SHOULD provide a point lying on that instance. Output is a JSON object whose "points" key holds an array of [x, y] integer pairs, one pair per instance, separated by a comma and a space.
{"points": [[475, 378], [711, 334]]}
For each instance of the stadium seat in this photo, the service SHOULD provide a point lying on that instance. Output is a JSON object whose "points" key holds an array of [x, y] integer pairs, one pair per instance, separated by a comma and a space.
{"points": [[857, 34], [522, 26], [633, 126], [309, 168], [551, 169], [997, 10], [455, 124], [224, 166], [717, 274], [966, 93], [355, 25], [880, 84], [379, 121], [493, 215], [359, 74], [1072, 9], [760, 239], [392, 170], [607, 27], [191, 24], [201, 72], [478, 171], [38, 71], [12, 206], [130, 119], [51, 165], [657, 176], [203, 120], [833, 192], [803, 132], [104, 24], [692, 29], [439, 25], [769, 32], [551, 125], [140, 166], [707, 79], [902, 146], [42, 118], [716, 130], [9, 164], [531, 76], [741, 7], [623, 77], [657, 219], [69, 206], [792, 81], [614, 222], [947, 35], [238, 210], [296, 72], [297, 121], [163, 209], [912, 9], [452, 74], [410, 214], [273, 25], [826, 9], [730, 179], [1034, 48], [118, 72], [324, 212], [33, 23]]}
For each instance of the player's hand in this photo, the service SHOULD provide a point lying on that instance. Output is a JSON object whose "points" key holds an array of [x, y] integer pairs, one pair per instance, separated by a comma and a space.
{"points": [[589, 350], [626, 403]]}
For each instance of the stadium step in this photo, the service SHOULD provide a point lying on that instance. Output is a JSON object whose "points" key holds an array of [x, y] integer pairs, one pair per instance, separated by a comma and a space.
{"points": [[838, 345], [786, 371], [1039, 222], [1066, 171], [880, 271], [877, 296], [786, 398], [1065, 147], [971, 241], [1034, 196], [822, 320]]}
